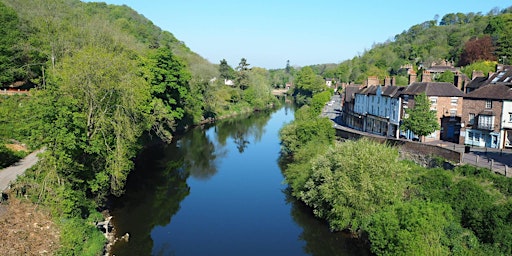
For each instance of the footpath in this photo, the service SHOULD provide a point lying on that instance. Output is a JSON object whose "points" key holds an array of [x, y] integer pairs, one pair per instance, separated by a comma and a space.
{"points": [[497, 160], [10, 173]]}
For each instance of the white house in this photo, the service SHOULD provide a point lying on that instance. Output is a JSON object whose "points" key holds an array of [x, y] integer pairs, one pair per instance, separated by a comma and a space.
{"points": [[379, 106]]}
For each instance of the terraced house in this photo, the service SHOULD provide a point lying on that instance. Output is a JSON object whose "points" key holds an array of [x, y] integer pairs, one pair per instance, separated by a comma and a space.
{"points": [[487, 114]]}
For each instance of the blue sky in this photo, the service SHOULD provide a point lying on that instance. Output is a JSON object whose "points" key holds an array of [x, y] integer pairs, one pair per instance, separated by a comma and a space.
{"points": [[268, 33]]}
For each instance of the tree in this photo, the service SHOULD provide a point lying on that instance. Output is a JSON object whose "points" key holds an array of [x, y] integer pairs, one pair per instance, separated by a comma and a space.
{"points": [[421, 120], [170, 89], [242, 79], [226, 72], [500, 28], [446, 76], [477, 49]]}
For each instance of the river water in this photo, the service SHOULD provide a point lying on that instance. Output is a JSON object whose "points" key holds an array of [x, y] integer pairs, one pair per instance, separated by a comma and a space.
{"points": [[219, 191]]}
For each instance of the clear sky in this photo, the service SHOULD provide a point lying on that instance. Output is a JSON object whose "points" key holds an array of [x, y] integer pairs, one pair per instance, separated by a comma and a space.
{"points": [[269, 32]]}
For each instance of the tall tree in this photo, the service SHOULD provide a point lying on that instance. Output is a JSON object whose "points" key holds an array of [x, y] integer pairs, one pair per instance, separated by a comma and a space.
{"points": [[242, 79], [226, 72], [421, 120]]}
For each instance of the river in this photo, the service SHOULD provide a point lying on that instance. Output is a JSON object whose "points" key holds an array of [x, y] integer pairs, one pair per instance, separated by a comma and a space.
{"points": [[219, 190]]}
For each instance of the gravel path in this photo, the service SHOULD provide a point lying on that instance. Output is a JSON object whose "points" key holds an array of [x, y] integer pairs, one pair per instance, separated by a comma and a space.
{"points": [[10, 173]]}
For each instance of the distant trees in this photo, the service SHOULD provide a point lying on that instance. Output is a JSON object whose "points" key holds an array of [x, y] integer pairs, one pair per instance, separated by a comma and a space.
{"points": [[500, 29], [421, 120], [307, 83]]}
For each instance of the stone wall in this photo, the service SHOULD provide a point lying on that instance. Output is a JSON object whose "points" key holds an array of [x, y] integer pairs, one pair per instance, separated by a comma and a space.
{"points": [[416, 151]]}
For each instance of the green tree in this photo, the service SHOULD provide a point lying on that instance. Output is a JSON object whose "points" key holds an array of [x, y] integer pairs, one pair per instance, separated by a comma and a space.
{"points": [[500, 28], [411, 228], [421, 120], [348, 183], [242, 78], [170, 89], [226, 72], [447, 76]]}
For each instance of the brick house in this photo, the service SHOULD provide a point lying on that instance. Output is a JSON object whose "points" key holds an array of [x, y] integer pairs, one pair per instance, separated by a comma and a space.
{"points": [[445, 99], [487, 115]]}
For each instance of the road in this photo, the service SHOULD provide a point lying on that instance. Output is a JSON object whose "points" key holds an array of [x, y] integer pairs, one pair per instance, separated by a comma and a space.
{"points": [[10, 173]]}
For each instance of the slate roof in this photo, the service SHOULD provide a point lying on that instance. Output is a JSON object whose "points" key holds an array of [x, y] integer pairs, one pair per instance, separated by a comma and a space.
{"points": [[350, 92], [502, 76], [392, 91], [492, 92], [477, 82], [440, 89]]}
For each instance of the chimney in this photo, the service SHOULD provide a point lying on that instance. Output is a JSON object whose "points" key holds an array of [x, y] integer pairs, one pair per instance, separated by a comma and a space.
{"points": [[372, 80], [387, 81], [457, 80], [477, 73], [426, 76], [393, 80], [412, 77]]}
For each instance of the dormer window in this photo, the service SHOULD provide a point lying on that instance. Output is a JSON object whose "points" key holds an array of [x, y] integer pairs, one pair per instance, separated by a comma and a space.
{"points": [[488, 104]]}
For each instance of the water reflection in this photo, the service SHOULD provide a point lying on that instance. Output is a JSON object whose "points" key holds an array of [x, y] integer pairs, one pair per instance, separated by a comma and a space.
{"points": [[319, 240], [153, 196]]}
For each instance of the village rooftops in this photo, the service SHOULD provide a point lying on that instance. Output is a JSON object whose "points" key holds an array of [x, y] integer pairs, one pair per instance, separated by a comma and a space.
{"points": [[491, 92], [440, 89], [350, 92]]}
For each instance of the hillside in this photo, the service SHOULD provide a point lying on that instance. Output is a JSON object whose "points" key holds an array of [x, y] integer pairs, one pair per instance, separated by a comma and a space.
{"points": [[461, 39]]}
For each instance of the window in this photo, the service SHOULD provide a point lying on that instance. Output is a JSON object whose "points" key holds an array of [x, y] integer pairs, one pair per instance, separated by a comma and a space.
{"points": [[454, 100], [433, 100], [485, 122], [470, 135], [471, 118], [488, 104], [510, 117]]}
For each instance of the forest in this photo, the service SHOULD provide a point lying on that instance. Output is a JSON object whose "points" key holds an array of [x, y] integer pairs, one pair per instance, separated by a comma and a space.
{"points": [[104, 79]]}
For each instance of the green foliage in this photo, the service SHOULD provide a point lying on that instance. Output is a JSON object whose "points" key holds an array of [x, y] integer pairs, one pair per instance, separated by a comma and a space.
{"points": [[307, 83], [306, 127], [242, 76], [484, 66], [226, 72], [346, 183], [8, 157], [446, 76], [80, 237], [319, 100], [411, 228], [500, 29], [421, 120]]}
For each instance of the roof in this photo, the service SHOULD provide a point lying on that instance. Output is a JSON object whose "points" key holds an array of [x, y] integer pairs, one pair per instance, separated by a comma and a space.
{"points": [[350, 92], [491, 91], [441, 89], [502, 76], [393, 91], [477, 82]]}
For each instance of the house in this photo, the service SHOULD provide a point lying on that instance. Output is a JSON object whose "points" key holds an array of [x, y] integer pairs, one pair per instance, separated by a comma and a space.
{"points": [[503, 76], [445, 99], [487, 115], [349, 117], [379, 108]]}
